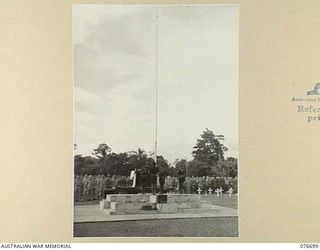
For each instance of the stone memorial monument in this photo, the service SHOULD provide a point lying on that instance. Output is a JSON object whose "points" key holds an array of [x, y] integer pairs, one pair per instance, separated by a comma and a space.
{"points": [[122, 204]]}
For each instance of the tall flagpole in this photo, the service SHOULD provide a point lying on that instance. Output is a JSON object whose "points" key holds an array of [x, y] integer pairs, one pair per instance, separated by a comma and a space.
{"points": [[156, 88]]}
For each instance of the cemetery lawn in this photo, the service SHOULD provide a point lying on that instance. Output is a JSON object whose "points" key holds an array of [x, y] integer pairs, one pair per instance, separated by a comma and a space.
{"points": [[224, 200], [189, 227]]}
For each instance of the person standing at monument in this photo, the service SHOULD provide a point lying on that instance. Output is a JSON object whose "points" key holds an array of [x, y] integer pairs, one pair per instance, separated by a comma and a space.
{"points": [[114, 181], [138, 178], [162, 179], [153, 177], [175, 184], [181, 178], [144, 178], [133, 177], [188, 185], [204, 183], [193, 185], [169, 183], [166, 183]]}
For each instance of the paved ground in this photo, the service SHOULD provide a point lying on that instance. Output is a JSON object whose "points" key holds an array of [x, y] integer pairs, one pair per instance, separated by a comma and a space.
{"points": [[195, 227], [222, 221]]}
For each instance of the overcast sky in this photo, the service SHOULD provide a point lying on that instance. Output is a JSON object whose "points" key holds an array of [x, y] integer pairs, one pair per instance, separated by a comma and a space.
{"points": [[114, 49]]}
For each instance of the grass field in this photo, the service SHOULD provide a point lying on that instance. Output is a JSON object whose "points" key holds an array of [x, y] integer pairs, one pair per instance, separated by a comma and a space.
{"points": [[223, 200]]}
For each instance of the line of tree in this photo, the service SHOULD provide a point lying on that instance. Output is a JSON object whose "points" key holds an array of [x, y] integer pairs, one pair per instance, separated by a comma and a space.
{"points": [[208, 160]]}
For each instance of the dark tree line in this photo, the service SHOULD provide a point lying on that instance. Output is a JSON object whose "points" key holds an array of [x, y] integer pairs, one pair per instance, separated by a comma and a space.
{"points": [[208, 160]]}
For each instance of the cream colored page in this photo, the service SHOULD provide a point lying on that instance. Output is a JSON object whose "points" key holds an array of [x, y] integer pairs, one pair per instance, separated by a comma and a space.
{"points": [[278, 150]]}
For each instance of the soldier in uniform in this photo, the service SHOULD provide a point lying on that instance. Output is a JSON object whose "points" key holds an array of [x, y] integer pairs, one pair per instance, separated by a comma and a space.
{"points": [[96, 179], [101, 186], [162, 179], [133, 177], [74, 187], [114, 181], [153, 177], [93, 180], [108, 182], [204, 183], [171, 183], [188, 185], [175, 186], [144, 178], [193, 185], [181, 178], [167, 183], [90, 187], [138, 178], [77, 188], [84, 184]]}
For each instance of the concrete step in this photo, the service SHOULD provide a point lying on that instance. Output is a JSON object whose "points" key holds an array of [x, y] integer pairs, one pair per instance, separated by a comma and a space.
{"points": [[120, 212], [128, 206], [104, 204], [128, 198]]}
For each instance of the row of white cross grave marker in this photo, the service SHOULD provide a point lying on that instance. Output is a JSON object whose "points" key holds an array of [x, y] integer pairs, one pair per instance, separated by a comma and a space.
{"points": [[218, 191]]}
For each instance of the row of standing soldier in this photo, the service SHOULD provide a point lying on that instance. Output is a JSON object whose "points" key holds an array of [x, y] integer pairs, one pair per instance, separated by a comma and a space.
{"points": [[89, 187]]}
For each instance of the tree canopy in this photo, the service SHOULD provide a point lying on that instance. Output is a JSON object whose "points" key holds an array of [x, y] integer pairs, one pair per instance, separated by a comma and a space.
{"points": [[208, 160]]}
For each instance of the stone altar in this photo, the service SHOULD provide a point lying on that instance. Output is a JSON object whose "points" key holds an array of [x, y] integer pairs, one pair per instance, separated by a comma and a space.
{"points": [[120, 204]]}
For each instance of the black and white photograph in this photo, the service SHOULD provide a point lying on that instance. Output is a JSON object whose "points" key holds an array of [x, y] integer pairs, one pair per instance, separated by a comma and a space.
{"points": [[156, 120]]}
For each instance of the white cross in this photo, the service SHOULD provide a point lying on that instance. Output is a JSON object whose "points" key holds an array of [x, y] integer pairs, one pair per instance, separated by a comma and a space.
{"points": [[210, 191], [230, 191], [221, 190], [217, 191], [199, 190]]}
